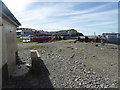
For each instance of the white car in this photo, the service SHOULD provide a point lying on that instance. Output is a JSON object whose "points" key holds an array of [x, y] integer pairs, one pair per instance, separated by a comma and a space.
{"points": [[27, 40]]}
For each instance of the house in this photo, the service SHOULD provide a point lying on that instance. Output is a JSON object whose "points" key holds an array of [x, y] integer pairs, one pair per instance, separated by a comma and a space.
{"points": [[112, 37], [72, 31], [19, 33], [8, 43], [24, 31]]}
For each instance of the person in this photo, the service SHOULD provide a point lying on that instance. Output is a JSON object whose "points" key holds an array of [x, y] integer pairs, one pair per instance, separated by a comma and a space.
{"points": [[78, 39], [103, 40]]}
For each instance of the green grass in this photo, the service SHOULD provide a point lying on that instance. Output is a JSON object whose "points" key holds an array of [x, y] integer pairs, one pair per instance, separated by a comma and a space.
{"points": [[66, 41], [19, 40], [111, 47], [56, 40], [71, 41], [36, 46]]}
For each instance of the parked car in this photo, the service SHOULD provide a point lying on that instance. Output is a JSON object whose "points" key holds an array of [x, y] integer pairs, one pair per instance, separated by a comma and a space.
{"points": [[25, 37], [27, 40]]}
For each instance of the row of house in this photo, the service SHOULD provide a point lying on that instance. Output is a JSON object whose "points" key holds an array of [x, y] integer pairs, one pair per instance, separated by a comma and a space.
{"points": [[110, 37], [27, 31]]}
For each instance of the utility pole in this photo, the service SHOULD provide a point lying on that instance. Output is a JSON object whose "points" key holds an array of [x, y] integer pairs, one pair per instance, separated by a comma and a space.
{"points": [[95, 40], [95, 36]]}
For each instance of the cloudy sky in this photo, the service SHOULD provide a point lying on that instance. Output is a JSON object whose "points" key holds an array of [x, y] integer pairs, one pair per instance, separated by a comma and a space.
{"points": [[86, 17]]}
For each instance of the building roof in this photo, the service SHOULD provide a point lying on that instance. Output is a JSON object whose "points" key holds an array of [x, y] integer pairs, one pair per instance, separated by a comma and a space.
{"points": [[19, 31], [6, 12]]}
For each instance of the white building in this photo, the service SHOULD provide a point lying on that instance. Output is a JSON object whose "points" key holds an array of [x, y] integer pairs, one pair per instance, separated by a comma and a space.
{"points": [[112, 37], [8, 43], [24, 32], [19, 33]]}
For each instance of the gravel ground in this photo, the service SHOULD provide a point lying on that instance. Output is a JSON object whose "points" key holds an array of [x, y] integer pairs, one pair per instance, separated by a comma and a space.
{"points": [[67, 65]]}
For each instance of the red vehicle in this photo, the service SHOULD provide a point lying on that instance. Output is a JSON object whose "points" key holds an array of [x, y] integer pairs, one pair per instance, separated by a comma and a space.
{"points": [[41, 39]]}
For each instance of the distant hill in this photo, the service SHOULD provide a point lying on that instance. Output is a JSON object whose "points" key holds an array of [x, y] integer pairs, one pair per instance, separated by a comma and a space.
{"points": [[70, 32]]}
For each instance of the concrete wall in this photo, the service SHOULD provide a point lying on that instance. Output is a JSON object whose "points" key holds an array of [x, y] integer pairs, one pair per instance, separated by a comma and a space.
{"points": [[0, 42], [9, 45], [0, 47], [0, 57]]}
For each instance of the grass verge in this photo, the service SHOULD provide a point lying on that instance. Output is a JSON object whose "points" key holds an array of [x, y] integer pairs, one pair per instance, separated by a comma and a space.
{"points": [[19, 40], [71, 41], [36, 46]]}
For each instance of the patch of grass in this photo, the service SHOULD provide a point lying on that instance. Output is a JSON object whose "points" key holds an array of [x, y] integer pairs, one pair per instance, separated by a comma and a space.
{"points": [[19, 40], [111, 47], [55, 40], [36, 46], [71, 41]]}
